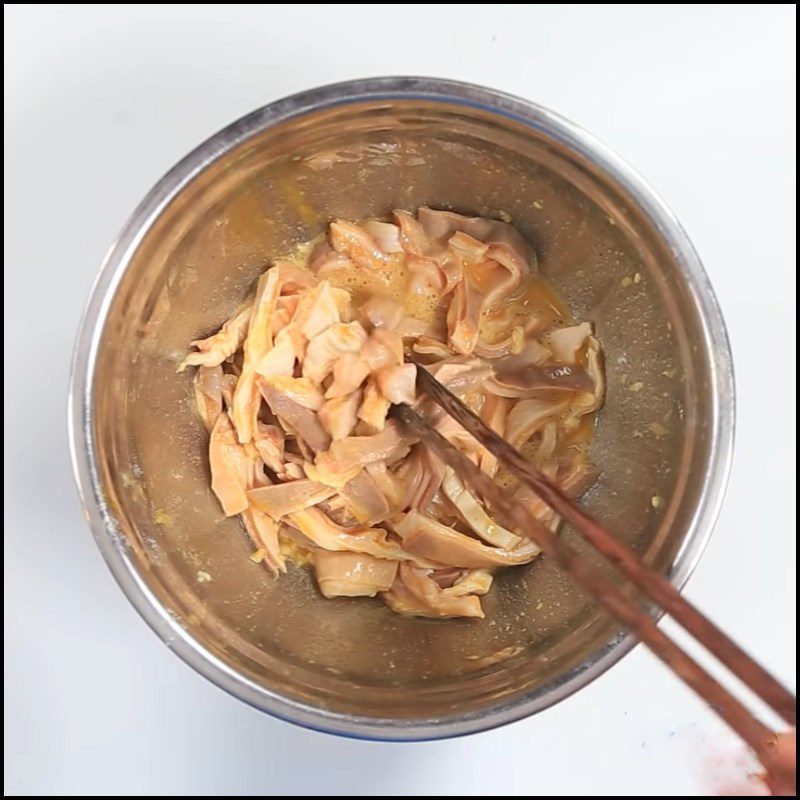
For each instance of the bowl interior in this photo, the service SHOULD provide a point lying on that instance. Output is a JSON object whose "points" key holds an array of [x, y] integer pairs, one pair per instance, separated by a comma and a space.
{"points": [[195, 261]]}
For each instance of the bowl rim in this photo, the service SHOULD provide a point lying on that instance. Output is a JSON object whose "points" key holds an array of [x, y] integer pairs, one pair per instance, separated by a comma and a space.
{"points": [[115, 263]]}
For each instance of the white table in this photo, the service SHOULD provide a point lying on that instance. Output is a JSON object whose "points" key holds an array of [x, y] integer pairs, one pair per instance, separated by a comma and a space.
{"points": [[101, 100]]}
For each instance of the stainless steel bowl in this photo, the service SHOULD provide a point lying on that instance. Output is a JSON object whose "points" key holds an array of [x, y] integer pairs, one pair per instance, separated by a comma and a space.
{"points": [[188, 256]]}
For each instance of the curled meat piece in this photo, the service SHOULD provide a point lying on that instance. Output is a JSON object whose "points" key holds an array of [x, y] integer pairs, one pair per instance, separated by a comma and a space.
{"points": [[567, 342], [215, 349], [352, 574], [385, 235], [324, 533], [414, 591], [264, 533], [441, 225], [463, 317], [528, 416], [429, 539], [357, 244], [475, 515]]}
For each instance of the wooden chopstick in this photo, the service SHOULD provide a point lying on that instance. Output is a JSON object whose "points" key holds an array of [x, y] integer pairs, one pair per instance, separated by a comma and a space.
{"points": [[515, 516], [655, 586], [758, 736]]}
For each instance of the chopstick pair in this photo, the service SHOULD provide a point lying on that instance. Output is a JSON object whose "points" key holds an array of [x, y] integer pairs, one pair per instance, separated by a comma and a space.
{"points": [[654, 586]]}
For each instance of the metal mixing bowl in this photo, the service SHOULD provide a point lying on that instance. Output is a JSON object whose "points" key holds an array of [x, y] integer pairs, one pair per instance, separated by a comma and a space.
{"points": [[189, 255]]}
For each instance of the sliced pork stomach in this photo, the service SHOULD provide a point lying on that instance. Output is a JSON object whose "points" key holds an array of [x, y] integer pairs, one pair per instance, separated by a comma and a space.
{"points": [[426, 276], [364, 499], [246, 398], [324, 533], [348, 456], [317, 310], [462, 318], [387, 313], [207, 384], [357, 244], [414, 591], [534, 380], [374, 406], [413, 237], [338, 416], [567, 342], [349, 372], [270, 444], [430, 539], [385, 235], [300, 419], [281, 357], [422, 473], [280, 499], [475, 515], [383, 348], [302, 391], [263, 532], [441, 225], [383, 312], [352, 574], [529, 416], [229, 467], [215, 349], [398, 383], [325, 348], [296, 388]]}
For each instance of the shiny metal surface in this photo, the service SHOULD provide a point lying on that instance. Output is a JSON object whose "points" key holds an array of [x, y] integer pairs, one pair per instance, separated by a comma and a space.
{"points": [[191, 252]]}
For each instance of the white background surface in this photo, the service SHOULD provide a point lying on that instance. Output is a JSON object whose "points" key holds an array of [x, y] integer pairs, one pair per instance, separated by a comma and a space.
{"points": [[101, 100]]}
